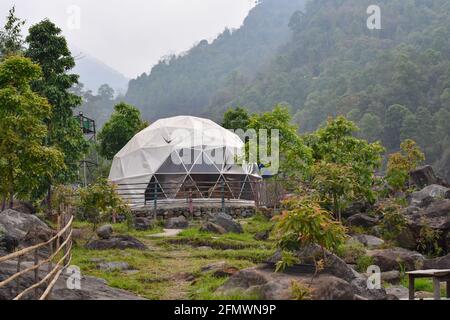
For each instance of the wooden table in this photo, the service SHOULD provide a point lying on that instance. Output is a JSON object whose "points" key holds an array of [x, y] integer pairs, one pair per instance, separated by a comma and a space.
{"points": [[438, 276]]}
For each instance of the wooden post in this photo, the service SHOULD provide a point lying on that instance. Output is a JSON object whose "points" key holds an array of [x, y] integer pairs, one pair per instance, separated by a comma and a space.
{"points": [[155, 199], [19, 260], [223, 196], [412, 287], [437, 288], [36, 274]]}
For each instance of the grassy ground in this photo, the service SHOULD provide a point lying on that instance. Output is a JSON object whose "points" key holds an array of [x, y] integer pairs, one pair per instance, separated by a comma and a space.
{"points": [[171, 267]]}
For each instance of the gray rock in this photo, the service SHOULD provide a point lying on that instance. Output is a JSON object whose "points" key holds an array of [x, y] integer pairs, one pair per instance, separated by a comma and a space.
{"points": [[105, 232], [423, 176], [90, 288], [333, 266], [427, 195], [391, 276], [116, 242], [226, 222], [355, 208], [213, 228], [263, 235], [278, 286], [436, 216], [143, 224], [438, 263], [177, 223], [396, 258], [362, 220], [220, 269], [18, 224], [113, 266], [369, 241], [399, 292]]}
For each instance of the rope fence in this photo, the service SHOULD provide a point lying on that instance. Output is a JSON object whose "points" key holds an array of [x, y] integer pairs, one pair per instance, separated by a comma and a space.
{"points": [[62, 252]]}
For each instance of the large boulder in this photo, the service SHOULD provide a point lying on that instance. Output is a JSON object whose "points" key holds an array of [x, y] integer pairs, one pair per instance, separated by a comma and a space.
{"points": [[427, 195], [438, 263], [396, 259], [437, 217], [268, 285], [105, 232], [226, 222], [143, 224], [90, 288], [369, 241], [423, 176], [212, 228], [333, 265], [120, 242], [23, 229], [362, 220], [177, 223]]}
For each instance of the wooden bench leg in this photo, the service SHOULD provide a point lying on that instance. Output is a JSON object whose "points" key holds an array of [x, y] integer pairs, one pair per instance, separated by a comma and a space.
{"points": [[437, 288], [412, 288], [448, 289]]}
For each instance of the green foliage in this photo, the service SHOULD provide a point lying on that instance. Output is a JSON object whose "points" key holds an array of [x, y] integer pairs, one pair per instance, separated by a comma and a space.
{"points": [[125, 122], [294, 155], [342, 158], [23, 113], [300, 292], [428, 242], [48, 48], [400, 164], [11, 42], [304, 222], [331, 65], [99, 202], [363, 263], [393, 222], [236, 119], [351, 251]]}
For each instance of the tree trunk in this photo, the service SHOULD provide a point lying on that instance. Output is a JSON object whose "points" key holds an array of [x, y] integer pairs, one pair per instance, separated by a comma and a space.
{"points": [[4, 202], [49, 201]]}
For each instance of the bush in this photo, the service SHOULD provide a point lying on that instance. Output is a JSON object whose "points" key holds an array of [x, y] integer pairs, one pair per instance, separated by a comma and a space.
{"points": [[100, 202], [303, 223]]}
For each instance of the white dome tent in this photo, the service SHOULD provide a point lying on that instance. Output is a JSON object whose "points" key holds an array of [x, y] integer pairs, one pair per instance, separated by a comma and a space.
{"points": [[182, 157]]}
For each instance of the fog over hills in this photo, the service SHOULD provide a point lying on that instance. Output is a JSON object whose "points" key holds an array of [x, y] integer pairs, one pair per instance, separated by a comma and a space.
{"points": [[93, 73]]}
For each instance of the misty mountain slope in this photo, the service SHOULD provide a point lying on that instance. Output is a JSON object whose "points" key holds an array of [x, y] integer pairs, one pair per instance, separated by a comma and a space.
{"points": [[188, 83], [94, 73], [394, 83]]}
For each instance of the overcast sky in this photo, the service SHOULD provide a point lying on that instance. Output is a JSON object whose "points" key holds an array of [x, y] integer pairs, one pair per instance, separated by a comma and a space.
{"points": [[132, 35]]}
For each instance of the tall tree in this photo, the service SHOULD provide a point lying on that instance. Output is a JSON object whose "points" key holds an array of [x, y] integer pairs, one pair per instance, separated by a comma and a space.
{"points": [[11, 41], [235, 119], [48, 48], [23, 156], [125, 122]]}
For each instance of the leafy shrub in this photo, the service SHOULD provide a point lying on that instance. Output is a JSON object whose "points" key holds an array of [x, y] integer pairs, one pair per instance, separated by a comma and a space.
{"points": [[300, 291], [401, 163], [351, 251], [428, 242], [100, 201], [363, 263], [304, 222], [394, 222]]}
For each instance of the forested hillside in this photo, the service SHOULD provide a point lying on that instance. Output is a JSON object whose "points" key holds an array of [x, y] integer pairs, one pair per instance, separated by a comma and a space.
{"points": [[394, 82], [213, 73]]}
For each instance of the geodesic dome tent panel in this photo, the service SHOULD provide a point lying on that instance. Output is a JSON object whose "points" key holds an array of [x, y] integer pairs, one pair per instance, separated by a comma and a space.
{"points": [[183, 156]]}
